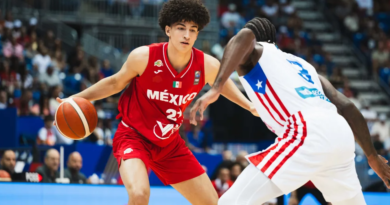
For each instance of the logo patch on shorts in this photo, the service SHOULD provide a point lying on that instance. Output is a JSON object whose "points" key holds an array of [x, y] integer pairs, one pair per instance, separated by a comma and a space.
{"points": [[128, 150]]}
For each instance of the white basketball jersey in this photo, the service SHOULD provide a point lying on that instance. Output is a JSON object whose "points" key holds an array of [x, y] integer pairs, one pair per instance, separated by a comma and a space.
{"points": [[282, 84]]}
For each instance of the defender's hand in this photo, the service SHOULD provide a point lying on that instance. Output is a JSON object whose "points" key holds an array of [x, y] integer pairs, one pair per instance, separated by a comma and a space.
{"points": [[202, 103], [254, 111], [379, 165]]}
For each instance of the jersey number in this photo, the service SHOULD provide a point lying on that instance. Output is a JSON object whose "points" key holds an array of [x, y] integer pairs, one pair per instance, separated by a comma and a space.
{"points": [[303, 72], [172, 114]]}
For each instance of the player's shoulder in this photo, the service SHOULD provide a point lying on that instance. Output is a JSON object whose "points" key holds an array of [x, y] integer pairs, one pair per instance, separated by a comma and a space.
{"points": [[211, 61], [140, 54]]}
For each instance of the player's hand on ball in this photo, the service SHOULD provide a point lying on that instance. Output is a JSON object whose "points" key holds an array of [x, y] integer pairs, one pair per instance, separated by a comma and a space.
{"points": [[202, 103], [379, 165]]}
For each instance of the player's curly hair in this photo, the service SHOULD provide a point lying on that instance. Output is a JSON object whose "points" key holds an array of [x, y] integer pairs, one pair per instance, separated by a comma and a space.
{"points": [[175, 11], [263, 29]]}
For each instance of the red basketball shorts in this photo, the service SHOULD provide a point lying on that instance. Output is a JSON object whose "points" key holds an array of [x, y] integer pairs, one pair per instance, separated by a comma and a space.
{"points": [[172, 164]]}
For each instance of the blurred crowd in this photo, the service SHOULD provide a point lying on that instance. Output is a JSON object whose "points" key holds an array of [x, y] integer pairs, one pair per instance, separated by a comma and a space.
{"points": [[49, 169], [35, 69], [291, 36], [367, 23]]}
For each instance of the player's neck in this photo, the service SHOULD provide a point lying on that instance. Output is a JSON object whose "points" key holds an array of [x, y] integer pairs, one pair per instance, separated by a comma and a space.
{"points": [[178, 60]]}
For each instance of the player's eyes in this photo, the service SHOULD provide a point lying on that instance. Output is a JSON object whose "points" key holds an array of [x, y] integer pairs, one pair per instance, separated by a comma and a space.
{"points": [[193, 31], [181, 28]]}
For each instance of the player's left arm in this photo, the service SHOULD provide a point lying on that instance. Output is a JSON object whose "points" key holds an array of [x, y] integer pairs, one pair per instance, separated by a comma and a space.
{"points": [[359, 128], [229, 89]]}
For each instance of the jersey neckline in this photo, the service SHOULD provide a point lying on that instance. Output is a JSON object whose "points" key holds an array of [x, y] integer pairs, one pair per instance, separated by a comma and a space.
{"points": [[174, 73]]}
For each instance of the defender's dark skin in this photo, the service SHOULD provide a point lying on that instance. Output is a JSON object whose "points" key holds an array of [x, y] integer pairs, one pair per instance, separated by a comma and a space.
{"points": [[243, 52]]}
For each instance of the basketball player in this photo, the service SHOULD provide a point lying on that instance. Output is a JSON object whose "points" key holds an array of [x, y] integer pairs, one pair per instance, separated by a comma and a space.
{"points": [[315, 124], [164, 78]]}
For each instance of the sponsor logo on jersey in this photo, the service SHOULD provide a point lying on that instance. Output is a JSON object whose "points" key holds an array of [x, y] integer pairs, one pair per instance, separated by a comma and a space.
{"points": [[127, 151], [177, 84], [305, 92], [157, 72], [164, 131], [169, 97], [158, 63], [197, 74], [197, 77]]}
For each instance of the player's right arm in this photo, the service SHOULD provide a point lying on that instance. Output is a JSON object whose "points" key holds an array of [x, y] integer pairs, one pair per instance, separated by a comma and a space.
{"points": [[134, 65], [359, 128]]}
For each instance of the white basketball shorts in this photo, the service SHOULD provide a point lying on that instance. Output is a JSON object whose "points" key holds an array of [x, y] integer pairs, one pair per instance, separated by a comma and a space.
{"points": [[316, 145]]}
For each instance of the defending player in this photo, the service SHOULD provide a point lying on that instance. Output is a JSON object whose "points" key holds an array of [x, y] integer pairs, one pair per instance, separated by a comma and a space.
{"points": [[315, 124], [164, 78]]}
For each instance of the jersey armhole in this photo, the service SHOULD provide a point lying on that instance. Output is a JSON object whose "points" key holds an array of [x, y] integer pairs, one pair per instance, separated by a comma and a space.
{"points": [[150, 57]]}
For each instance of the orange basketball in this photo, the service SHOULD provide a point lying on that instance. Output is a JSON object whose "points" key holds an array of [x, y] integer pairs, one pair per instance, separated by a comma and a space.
{"points": [[4, 174], [76, 118]]}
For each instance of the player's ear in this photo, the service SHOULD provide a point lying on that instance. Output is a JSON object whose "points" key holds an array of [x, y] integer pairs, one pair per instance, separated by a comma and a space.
{"points": [[168, 31]]}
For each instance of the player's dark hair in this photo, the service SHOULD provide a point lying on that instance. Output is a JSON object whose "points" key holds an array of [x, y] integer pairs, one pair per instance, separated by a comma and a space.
{"points": [[175, 11], [263, 29]]}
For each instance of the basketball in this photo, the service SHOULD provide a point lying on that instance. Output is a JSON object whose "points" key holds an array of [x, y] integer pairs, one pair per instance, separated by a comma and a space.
{"points": [[4, 174], [76, 118]]}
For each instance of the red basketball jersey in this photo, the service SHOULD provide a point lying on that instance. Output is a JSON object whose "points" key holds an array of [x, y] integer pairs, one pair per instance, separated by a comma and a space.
{"points": [[154, 103]]}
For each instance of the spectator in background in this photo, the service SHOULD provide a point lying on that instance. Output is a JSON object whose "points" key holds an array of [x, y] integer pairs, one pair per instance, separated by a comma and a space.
{"points": [[3, 99], [227, 162], [50, 77], [379, 57], [287, 7], [379, 145], [270, 10], [236, 170], [369, 115], [240, 158], [49, 170], [49, 40], [352, 22], [337, 78], [26, 103], [92, 72], [106, 70], [17, 30], [2, 21], [107, 126], [55, 92], [42, 60], [8, 162], [98, 136], [99, 109], [75, 163], [58, 61], [196, 138], [13, 49], [223, 182], [382, 129], [32, 25], [77, 62], [47, 134], [231, 18]]}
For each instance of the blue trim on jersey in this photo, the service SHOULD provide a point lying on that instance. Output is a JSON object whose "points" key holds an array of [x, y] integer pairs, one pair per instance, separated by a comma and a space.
{"points": [[256, 79]]}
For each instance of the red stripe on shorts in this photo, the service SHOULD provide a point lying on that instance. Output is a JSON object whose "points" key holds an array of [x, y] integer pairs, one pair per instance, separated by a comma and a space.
{"points": [[283, 148], [286, 133], [304, 134]]}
